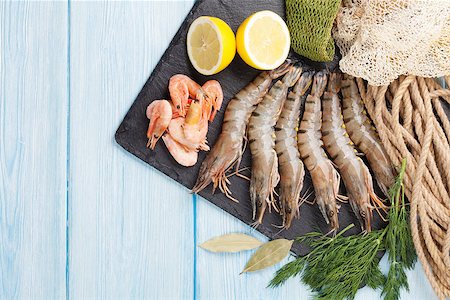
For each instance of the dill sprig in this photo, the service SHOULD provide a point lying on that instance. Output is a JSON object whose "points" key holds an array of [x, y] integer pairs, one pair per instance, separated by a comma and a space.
{"points": [[398, 241], [339, 265]]}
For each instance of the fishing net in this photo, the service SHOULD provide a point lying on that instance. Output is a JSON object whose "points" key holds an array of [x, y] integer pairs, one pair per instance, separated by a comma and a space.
{"points": [[383, 39], [409, 117], [310, 23]]}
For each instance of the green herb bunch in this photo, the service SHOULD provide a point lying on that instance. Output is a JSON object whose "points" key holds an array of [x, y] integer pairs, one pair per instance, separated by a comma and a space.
{"points": [[398, 241], [338, 266]]}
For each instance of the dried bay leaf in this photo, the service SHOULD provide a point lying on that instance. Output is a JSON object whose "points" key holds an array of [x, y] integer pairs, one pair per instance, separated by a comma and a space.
{"points": [[233, 242], [269, 254]]}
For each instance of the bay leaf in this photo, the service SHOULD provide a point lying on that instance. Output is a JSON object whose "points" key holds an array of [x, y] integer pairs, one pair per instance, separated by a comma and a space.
{"points": [[233, 242], [268, 254]]}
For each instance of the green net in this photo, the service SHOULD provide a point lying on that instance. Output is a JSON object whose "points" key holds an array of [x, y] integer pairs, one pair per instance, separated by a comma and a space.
{"points": [[310, 23]]}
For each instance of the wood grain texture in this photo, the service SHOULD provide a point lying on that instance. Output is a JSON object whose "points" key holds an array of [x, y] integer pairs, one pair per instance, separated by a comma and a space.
{"points": [[33, 119], [131, 230], [218, 273]]}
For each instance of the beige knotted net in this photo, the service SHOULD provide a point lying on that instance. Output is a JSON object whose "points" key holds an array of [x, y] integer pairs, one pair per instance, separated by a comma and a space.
{"points": [[383, 39]]}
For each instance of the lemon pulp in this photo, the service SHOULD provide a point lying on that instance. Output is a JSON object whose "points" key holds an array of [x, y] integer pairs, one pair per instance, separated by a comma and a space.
{"points": [[263, 40], [211, 45]]}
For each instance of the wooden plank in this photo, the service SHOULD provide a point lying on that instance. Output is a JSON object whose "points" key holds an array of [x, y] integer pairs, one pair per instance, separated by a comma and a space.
{"points": [[131, 229], [33, 119]]}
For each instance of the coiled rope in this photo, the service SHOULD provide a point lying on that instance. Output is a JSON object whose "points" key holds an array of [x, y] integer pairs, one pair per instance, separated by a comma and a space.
{"points": [[412, 124]]}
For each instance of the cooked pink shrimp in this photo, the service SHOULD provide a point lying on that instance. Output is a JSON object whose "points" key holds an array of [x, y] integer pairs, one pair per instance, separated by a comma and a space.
{"points": [[196, 124], [196, 141], [184, 157], [181, 87], [160, 113], [214, 97]]}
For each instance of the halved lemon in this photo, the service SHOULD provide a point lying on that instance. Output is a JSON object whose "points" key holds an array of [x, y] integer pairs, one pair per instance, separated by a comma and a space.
{"points": [[263, 40], [211, 45]]}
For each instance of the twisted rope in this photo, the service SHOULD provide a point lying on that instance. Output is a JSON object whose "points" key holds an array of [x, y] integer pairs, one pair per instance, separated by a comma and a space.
{"points": [[412, 124]]}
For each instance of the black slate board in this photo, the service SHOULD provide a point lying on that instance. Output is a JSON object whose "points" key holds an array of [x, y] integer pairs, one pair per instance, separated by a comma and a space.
{"points": [[131, 134]]}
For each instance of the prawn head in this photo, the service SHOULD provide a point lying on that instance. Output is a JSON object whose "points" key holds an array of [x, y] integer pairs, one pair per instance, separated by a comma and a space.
{"points": [[262, 188], [223, 155], [362, 196], [327, 181], [383, 174], [281, 70], [290, 198]]}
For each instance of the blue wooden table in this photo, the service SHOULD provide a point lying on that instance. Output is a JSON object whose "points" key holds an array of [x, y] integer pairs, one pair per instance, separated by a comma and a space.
{"points": [[79, 217]]}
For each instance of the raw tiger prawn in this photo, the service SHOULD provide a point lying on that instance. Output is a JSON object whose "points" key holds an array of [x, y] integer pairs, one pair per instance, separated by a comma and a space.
{"points": [[362, 133], [290, 166], [325, 178], [355, 174], [265, 176]]}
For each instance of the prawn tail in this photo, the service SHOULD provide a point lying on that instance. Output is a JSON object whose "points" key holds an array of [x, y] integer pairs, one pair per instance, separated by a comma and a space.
{"points": [[304, 83], [319, 84], [334, 83], [281, 70], [292, 76]]}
